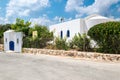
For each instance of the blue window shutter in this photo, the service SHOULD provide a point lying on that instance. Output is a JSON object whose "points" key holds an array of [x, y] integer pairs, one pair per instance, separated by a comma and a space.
{"points": [[68, 33], [61, 34]]}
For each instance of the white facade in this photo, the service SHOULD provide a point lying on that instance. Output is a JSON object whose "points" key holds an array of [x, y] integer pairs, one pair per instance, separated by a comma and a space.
{"points": [[13, 41], [77, 26]]}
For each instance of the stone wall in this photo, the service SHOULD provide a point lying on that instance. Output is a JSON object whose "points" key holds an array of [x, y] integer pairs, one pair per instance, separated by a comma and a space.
{"points": [[77, 54], [1, 47]]}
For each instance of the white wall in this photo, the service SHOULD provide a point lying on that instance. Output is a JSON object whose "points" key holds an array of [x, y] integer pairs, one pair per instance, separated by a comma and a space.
{"points": [[13, 36], [73, 26], [90, 23], [6, 39], [18, 46], [78, 25]]}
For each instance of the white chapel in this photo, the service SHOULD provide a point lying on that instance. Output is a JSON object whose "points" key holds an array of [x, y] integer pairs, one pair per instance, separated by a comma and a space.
{"points": [[13, 41], [70, 28]]}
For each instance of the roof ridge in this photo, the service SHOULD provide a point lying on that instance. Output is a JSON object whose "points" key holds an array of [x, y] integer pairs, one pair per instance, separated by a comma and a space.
{"points": [[93, 15]]}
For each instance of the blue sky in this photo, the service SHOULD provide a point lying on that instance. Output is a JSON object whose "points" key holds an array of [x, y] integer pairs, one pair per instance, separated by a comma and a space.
{"points": [[48, 12]]}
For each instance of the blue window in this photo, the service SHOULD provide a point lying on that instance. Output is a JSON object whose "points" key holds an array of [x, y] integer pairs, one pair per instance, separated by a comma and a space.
{"points": [[68, 33], [61, 34]]}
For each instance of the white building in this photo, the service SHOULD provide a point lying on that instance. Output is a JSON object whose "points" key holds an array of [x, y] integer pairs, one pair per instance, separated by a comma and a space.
{"points": [[70, 28], [13, 41]]}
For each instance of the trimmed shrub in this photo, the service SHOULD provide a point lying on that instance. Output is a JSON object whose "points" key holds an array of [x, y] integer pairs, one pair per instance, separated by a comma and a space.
{"points": [[61, 44], [107, 36], [80, 42]]}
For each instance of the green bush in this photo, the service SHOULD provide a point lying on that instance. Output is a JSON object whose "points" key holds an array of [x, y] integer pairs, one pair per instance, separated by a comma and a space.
{"points": [[44, 36], [81, 43], [61, 44], [1, 41], [4, 28], [21, 26], [107, 36], [28, 42]]}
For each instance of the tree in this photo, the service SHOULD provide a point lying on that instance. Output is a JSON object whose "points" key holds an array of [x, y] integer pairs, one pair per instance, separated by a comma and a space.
{"points": [[21, 25], [42, 31], [44, 35], [3, 28]]}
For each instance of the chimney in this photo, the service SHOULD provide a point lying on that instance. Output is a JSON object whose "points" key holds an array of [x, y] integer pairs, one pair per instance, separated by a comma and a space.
{"points": [[62, 19]]}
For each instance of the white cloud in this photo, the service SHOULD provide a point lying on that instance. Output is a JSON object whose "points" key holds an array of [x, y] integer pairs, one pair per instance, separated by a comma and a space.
{"points": [[58, 18], [3, 20], [44, 20], [118, 9], [24, 7], [73, 5], [78, 15], [117, 19], [99, 6]]}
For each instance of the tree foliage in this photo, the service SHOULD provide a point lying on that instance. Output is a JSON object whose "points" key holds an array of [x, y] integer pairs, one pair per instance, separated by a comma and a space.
{"points": [[42, 31], [44, 36], [21, 26], [107, 36], [3, 28]]}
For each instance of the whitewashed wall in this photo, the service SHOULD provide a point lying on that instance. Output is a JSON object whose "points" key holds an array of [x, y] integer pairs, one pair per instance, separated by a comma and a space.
{"points": [[73, 26], [11, 35], [18, 47], [90, 22], [78, 25]]}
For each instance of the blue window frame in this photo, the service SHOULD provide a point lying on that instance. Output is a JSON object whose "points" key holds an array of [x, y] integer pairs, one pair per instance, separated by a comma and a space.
{"points": [[61, 34], [68, 33]]}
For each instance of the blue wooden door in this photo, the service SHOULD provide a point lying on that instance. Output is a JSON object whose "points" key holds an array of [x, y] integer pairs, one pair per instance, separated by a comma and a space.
{"points": [[11, 45]]}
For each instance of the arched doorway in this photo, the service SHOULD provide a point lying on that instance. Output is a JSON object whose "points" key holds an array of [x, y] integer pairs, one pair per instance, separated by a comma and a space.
{"points": [[11, 45]]}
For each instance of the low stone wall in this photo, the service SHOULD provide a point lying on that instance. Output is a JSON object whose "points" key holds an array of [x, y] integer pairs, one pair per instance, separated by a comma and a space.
{"points": [[77, 54], [1, 47]]}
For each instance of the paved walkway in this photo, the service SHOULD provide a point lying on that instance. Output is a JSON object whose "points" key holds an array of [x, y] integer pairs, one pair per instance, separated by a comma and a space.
{"points": [[42, 67]]}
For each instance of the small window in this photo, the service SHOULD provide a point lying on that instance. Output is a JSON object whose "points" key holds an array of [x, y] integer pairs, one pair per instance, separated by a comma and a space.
{"points": [[68, 33], [17, 41], [6, 40], [61, 34]]}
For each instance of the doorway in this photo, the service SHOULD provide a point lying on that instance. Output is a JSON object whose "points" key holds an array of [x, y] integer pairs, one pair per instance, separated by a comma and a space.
{"points": [[11, 45]]}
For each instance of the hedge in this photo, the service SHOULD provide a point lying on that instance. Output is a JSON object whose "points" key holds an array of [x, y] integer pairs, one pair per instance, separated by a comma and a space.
{"points": [[107, 36]]}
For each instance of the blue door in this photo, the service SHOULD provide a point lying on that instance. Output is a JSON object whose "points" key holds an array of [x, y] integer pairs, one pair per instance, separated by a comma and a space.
{"points": [[11, 45]]}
